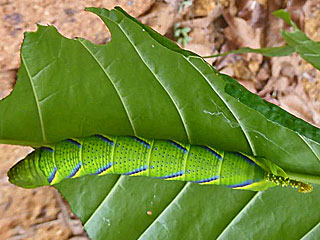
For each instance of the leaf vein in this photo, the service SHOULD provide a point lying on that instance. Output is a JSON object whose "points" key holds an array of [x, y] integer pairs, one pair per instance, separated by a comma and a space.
{"points": [[44, 139], [108, 194], [311, 148], [179, 194], [113, 84], [227, 105], [239, 214], [155, 76], [304, 236]]}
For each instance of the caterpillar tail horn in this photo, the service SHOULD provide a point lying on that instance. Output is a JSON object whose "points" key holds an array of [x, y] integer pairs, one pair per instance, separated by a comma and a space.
{"points": [[284, 182]]}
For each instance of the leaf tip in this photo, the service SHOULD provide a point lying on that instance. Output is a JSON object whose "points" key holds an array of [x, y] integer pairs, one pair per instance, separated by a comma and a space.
{"points": [[284, 15], [98, 11], [90, 9]]}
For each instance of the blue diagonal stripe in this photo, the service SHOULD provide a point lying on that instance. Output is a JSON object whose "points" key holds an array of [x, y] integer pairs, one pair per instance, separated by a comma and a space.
{"points": [[75, 170]]}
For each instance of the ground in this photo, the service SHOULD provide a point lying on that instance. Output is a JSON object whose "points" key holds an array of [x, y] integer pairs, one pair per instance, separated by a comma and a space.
{"points": [[204, 26]]}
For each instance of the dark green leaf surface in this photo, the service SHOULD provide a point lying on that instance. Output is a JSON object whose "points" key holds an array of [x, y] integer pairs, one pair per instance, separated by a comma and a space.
{"points": [[142, 83]]}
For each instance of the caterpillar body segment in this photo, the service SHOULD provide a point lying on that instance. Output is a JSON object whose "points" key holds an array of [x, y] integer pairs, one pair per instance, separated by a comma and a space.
{"points": [[133, 156]]}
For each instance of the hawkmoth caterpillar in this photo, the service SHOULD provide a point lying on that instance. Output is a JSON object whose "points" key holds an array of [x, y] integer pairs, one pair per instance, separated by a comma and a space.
{"points": [[163, 159]]}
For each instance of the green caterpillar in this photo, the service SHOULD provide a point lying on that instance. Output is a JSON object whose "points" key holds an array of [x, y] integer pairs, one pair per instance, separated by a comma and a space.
{"points": [[133, 156]]}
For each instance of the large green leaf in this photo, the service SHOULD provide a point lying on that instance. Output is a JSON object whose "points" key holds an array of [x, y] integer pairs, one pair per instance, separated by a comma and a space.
{"points": [[142, 83]]}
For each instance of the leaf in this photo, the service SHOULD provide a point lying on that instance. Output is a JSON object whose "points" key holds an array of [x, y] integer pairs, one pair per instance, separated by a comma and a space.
{"points": [[284, 15], [143, 84], [307, 49]]}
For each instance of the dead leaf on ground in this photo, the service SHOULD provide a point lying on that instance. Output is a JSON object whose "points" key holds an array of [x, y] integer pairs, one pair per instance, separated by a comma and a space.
{"points": [[253, 12], [161, 17], [272, 35], [296, 106], [7, 80], [241, 33], [202, 8], [278, 63]]}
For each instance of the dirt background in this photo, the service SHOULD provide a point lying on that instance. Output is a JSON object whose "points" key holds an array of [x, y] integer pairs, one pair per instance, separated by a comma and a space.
{"points": [[210, 27]]}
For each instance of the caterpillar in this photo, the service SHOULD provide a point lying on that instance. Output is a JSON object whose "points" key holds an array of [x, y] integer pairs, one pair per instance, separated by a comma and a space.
{"points": [[134, 156]]}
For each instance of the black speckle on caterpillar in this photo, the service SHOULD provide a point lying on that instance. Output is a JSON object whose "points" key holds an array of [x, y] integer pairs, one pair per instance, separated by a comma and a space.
{"points": [[163, 159]]}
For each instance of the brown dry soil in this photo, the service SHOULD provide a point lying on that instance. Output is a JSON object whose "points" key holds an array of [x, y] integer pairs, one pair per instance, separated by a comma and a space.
{"points": [[216, 26]]}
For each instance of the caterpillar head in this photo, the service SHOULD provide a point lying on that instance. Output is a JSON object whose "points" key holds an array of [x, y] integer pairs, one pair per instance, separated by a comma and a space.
{"points": [[26, 173]]}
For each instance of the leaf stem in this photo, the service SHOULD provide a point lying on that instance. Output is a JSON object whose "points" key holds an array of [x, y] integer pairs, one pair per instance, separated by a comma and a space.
{"points": [[284, 50], [217, 55], [304, 177]]}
